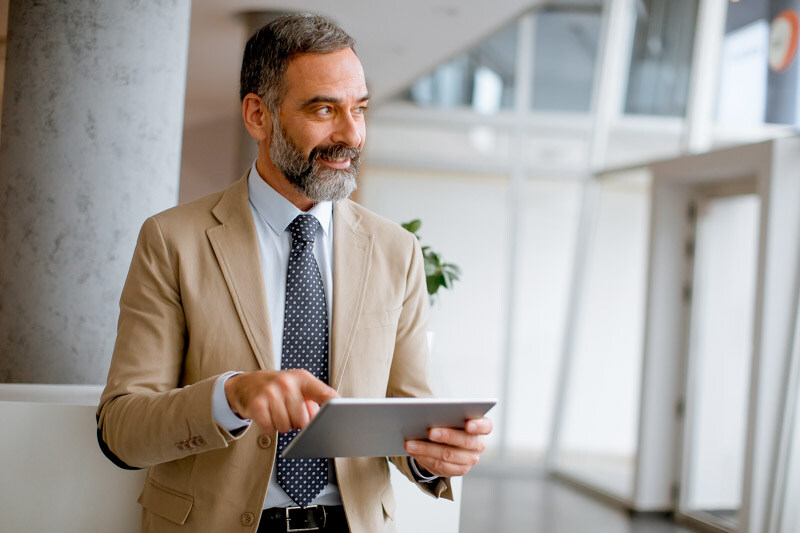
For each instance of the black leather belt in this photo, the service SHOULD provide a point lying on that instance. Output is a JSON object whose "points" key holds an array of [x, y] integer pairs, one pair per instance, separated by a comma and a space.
{"points": [[312, 518]]}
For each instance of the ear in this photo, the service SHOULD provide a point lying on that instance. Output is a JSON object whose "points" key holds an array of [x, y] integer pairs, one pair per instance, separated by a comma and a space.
{"points": [[256, 117]]}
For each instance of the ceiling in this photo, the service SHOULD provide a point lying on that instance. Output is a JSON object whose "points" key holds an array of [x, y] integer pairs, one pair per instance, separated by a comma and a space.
{"points": [[396, 41]]}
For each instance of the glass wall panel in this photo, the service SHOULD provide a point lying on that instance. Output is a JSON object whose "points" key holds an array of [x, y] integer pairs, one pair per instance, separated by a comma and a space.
{"points": [[720, 356], [546, 244], [661, 59], [481, 78], [759, 72], [598, 438], [464, 217], [565, 53]]}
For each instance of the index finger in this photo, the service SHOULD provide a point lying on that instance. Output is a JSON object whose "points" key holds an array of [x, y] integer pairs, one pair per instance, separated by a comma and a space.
{"points": [[317, 391], [479, 426]]}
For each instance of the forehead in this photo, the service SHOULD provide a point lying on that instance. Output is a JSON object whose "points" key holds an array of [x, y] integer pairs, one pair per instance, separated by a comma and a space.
{"points": [[336, 74]]}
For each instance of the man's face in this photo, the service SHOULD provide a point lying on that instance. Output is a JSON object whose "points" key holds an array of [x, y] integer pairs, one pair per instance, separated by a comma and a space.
{"points": [[317, 139]]}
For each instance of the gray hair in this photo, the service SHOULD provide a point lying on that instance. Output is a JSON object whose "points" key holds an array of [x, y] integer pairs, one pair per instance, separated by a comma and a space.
{"points": [[268, 52]]}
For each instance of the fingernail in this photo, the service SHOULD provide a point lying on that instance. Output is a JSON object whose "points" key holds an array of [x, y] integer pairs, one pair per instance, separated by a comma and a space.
{"points": [[472, 426], [411, 446], [435, 433]]}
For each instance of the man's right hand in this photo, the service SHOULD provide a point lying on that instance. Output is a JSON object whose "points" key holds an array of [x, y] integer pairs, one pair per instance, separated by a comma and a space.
{"points": [[277, 400]]}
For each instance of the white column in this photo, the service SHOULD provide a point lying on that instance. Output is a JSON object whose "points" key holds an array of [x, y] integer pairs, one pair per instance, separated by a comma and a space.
{"points": [[91, 141], [698, 128], [610, 78], [522, 100]]}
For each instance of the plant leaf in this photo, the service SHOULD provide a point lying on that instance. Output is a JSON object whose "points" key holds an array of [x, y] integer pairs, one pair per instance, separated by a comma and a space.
{"points": [[438, 274], [413, 225]]}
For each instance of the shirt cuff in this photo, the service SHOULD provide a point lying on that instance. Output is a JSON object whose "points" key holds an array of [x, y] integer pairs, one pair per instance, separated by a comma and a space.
{"points": [[223, 414], [417, 475]]}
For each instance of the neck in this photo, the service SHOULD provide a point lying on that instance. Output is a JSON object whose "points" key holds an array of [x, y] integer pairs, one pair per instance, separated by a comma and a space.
{"points": [[269, 173]]}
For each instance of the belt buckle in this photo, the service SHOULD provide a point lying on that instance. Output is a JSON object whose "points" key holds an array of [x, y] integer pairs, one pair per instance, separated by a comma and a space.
{"points": [[290, 529]]}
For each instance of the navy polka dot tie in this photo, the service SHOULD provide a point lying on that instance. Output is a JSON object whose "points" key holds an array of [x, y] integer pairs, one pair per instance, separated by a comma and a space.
{"points": [[305, 345]]}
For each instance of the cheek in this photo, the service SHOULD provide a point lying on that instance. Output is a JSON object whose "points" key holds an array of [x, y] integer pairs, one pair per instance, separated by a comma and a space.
{"points": [[315, 137], [306, 137]]}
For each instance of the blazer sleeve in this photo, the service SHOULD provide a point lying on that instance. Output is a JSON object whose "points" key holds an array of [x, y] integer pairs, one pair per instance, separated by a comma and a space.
{"points": [[409, 372], [145, 417]]}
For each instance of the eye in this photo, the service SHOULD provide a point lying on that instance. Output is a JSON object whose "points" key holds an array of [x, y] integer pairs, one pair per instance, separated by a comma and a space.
{"points": [[360, 110], [324, 111]]}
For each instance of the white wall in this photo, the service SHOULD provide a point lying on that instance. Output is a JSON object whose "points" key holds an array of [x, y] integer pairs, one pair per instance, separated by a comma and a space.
{"points": [[463, 218]]}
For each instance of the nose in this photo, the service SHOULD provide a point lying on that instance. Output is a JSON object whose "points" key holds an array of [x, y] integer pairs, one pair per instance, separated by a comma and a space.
{"points": [[348, 131]]}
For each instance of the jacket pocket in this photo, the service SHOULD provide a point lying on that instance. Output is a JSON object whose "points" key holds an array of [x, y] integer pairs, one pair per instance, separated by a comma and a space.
{"points": [[379, 319], [165, 502]]}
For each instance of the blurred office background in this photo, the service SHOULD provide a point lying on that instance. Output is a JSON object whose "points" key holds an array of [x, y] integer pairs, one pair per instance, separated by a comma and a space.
{"points": [[618, 180]]}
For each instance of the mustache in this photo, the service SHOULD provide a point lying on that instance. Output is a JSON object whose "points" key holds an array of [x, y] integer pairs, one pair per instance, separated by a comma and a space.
{"points": [[336, 151]]}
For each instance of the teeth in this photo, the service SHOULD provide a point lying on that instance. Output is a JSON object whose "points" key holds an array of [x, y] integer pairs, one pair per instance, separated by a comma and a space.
{"points": [[335, 159]]}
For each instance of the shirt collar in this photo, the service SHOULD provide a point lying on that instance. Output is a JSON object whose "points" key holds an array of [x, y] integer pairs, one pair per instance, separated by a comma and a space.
{"points": [[277, 211]]}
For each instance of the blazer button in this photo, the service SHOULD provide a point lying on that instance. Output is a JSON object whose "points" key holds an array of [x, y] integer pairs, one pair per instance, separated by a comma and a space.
{"points": [[248, 519], [264, 441]]}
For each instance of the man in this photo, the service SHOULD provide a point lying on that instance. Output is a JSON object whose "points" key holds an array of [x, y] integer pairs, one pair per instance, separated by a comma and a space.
{"points": [[306, 294]]}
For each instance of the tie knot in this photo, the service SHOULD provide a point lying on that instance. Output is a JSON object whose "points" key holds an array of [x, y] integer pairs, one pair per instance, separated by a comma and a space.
{"points": [[304, 229]]}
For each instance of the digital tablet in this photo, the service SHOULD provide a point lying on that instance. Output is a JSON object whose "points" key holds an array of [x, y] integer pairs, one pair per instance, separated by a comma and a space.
{"points": [[366, 427]]}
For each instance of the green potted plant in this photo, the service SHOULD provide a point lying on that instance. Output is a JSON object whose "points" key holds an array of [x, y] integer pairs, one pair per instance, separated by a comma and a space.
{"points": [[438, 273]]}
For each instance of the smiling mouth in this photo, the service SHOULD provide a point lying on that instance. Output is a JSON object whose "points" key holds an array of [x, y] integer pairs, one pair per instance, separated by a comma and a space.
{"points": [[336, 162]]}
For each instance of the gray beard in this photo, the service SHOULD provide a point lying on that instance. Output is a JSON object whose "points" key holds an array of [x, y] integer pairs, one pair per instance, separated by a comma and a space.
{"points": [[307, 175]]}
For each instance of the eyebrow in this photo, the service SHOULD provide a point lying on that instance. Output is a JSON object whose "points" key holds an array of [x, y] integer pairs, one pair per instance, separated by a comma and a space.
{"points": [[323, 99]]}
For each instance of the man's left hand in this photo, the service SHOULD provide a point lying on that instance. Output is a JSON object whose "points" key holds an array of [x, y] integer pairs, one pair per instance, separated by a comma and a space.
{"points": [[451, 452]]}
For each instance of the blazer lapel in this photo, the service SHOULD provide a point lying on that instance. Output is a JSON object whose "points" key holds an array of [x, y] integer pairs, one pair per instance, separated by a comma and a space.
{"points": [[352, 252], [235, 245]]}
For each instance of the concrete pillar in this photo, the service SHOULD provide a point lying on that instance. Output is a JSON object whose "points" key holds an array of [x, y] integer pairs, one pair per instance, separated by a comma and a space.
{"points": [[90, 146]]}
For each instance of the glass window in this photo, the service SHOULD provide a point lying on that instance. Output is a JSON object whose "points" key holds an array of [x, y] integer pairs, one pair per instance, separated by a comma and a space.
{"points": [[482, 78], [661, 59], [565, 53], [759, 81]]}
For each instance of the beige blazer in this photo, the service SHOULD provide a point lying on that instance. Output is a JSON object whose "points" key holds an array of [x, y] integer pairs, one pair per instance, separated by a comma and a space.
{"points": [[194, 306]]}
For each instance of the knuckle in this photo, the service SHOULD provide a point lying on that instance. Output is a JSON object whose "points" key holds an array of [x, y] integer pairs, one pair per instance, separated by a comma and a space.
{"points": [[283, 379], [303, 373], [259, 404], [285, 384], [269, 397], [447, 454]]}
